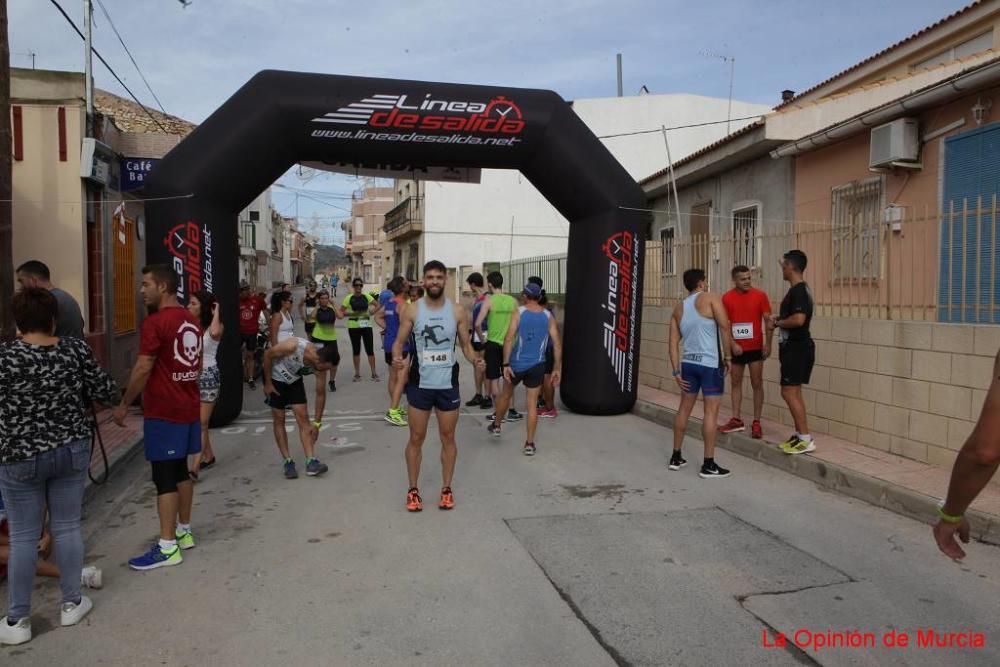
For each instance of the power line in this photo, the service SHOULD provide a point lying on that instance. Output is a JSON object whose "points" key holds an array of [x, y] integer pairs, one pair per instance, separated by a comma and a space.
{"points": [[105, 63], [129, 53], [677, 127]]}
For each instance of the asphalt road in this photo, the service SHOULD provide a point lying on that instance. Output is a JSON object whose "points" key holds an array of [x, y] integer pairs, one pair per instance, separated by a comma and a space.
{"points": [[590, 553]]}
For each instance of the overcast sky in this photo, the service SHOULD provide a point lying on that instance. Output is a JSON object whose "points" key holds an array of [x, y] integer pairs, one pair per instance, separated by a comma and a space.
{"points": [[195, 57]]}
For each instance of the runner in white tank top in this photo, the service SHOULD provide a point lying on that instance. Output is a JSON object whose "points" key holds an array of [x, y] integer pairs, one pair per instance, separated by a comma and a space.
{"points": [[701, 321]]}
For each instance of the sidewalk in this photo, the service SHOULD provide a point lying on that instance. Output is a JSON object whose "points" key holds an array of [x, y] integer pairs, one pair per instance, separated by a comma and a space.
{"points": [[119, 444], [904, 486]]}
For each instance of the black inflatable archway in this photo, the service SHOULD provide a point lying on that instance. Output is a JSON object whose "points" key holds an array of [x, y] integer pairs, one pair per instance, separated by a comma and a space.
{"points": [[281, 118]]}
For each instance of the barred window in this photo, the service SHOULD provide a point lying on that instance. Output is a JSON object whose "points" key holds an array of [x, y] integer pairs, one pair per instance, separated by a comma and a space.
{"points": [[124, 274], [856, 229], [667, 252], [745, 236]]}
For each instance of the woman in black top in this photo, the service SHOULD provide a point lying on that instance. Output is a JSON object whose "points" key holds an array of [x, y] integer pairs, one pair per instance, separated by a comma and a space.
{"points": [[46, 384]]}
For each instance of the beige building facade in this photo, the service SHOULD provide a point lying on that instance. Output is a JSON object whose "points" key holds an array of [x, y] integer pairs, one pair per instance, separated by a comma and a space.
{"points": [[83, 221]]}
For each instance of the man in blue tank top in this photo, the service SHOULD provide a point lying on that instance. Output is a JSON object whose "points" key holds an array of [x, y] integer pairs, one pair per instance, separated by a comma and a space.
{"points": [[532, 328], [433, 325], [701, 321]]}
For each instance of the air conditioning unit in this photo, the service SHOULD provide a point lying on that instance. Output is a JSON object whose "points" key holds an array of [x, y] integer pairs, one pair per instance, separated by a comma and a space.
{"points": [[95, 161], [895, 144]]}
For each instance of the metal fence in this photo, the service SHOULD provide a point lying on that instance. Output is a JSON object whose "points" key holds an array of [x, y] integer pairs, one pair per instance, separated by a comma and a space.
{"points": [[550, 268], [891, 264]]}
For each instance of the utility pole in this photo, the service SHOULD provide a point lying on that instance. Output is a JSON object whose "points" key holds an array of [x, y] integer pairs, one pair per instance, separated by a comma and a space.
{"points": [[88, 71], [6, 186], [620, 81]]}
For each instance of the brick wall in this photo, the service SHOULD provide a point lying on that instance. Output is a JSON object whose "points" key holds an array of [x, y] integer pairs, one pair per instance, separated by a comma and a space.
{"points": [[911, 388]]}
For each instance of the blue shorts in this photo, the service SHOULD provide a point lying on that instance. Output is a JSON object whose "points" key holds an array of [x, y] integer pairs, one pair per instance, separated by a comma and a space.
{"points": [[166, 441], [709, 381], [444, 400]]}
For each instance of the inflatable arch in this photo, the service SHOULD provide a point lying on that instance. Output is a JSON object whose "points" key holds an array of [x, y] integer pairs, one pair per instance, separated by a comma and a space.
{"points": [[278, 119]]}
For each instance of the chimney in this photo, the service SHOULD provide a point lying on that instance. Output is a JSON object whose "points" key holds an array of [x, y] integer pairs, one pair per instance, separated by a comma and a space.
{"points": [[787, 95]]}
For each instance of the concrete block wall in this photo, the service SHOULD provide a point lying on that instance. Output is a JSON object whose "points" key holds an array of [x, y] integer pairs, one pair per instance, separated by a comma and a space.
{"points": [[910, 388]]}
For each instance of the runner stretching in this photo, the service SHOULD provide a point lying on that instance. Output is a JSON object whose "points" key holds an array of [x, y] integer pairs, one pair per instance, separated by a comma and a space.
{"points": [[283, 386], [531, 329], [434, 324]]}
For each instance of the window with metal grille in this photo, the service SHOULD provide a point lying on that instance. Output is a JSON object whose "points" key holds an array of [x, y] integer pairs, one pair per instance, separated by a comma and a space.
{"points": [[745, 236], [667, 251], [124, 274], [411, 261], [857, 229]]}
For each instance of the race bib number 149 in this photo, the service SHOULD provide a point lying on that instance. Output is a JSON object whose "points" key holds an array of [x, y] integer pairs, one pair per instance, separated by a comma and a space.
{"points": [[743, 330]]}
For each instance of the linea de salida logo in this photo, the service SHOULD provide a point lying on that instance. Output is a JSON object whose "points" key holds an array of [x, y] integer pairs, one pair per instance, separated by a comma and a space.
{"points": [[190, 250], [619, 305], [499, 118]]}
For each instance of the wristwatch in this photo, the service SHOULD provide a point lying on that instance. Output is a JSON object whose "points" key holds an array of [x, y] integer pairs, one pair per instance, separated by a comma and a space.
{"points": [[676, 373]]}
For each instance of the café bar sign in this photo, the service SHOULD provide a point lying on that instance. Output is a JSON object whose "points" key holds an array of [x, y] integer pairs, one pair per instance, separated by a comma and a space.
{"points": [[135, 171]]}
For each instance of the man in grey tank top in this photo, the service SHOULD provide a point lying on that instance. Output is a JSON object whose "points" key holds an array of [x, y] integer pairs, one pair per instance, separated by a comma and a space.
{"points": [[284, 366], [702, 322], [433, 325]]}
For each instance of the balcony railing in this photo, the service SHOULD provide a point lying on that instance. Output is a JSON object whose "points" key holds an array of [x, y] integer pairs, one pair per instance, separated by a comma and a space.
{"points": [[405, 220]]}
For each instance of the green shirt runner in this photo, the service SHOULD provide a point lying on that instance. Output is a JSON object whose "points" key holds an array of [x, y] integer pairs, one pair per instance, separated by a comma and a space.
{"points": [[357, 318], [502, 307]]}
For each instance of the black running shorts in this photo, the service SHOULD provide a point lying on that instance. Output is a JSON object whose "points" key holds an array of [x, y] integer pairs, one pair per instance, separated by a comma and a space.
{"points": [[797, 358], [493, 353], [287, 394], [531, 377]]}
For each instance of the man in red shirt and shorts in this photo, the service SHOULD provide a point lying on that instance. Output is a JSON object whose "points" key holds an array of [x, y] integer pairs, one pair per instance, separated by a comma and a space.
{"points": [[251, 306], [748, 309], [166, 374]]}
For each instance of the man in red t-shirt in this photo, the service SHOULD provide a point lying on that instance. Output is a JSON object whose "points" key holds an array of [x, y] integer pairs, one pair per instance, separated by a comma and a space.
{"points": [[251, 306], [748, 309], [166, 374]]}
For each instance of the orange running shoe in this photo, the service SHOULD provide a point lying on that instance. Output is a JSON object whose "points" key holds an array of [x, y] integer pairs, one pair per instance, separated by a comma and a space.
{"points": [[447, 499], [413, 501]]}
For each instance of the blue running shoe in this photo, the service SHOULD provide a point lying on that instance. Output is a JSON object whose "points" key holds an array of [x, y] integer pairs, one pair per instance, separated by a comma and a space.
{"points": [[156, 557], [314, 467], [290, 471]]}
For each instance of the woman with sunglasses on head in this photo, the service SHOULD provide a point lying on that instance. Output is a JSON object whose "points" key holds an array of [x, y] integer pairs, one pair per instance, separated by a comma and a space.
{"points": [[358, 308], [206, 309], [324, 335]]}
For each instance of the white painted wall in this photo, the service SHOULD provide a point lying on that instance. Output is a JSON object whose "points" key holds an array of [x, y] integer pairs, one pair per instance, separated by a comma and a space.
{"points": [[468, 224]]}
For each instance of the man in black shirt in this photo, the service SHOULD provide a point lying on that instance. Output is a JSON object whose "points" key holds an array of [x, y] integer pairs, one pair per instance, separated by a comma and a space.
{"points": [[796, 349]]}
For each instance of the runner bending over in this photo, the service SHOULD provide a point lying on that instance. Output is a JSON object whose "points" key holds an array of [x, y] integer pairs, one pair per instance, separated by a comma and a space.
{"points": [[283, 386]]}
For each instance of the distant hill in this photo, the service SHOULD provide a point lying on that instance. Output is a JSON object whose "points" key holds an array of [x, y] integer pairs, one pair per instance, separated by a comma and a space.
{"points": [[330, 255]]}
